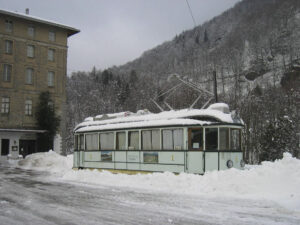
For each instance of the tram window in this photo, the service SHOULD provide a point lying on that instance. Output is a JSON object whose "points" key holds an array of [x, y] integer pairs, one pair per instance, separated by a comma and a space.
{"points": [[150, 140], [211, 138], [121, 141], [107, 141], [146, 140], [172, 139], [235, 138], [76, 142], [81, 142], [155, 139], [167, 139], [91, 141], [197, 139], [178, 139], [133, 140], [224, 138]]}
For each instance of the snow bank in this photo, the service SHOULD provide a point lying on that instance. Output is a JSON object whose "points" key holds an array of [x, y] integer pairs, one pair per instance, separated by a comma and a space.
{"points": [[47, 161], [277, 181]]}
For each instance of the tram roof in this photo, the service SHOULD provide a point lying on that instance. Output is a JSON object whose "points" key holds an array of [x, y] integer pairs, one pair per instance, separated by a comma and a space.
{"points": [[214, 114]]}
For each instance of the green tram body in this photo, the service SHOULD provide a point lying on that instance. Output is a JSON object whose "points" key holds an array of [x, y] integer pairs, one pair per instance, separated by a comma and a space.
{"points": [[196, 148]]}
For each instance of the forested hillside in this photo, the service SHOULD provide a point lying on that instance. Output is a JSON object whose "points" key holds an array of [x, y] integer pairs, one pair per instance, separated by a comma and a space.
{"points": [[255, 50]]}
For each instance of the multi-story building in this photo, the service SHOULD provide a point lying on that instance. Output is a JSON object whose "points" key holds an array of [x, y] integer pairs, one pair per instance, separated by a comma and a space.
{"points": [[33, 59]]}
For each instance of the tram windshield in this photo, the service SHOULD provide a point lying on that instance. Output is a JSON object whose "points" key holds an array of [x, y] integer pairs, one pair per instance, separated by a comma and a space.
{"points": [[79, 142], [224, 138], [235, 138], [211, 138], [196, 142]]}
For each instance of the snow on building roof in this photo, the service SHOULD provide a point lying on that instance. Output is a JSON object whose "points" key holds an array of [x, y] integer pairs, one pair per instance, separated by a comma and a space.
{"points": [[70, 29], [216, 113]]}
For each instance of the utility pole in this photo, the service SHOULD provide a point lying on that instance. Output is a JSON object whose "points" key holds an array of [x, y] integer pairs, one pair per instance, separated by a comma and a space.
{"points": [[215, 86]]}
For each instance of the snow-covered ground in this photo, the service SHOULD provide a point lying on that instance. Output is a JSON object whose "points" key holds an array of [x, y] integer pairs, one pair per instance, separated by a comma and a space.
{"points": [[43, 189], [277, 182]]}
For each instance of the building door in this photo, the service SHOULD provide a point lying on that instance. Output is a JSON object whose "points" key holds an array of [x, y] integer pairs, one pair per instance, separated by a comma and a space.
{"points": [[4, 146], [27, 147]]}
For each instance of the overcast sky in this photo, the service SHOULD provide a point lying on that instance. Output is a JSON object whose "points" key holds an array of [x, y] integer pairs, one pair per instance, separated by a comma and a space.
{"points": [[114, 32]]}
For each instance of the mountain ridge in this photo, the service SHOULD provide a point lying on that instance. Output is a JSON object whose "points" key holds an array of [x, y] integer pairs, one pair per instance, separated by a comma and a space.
{"points": [[254, 48], [244, 39]]}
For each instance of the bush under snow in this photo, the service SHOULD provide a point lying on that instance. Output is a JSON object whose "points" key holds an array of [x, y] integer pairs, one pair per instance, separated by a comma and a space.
{"points": [[278, 181]]}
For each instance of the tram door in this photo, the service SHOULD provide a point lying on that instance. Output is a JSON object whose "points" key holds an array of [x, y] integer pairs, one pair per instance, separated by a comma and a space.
{"points": [[80, 147], [195, 153], [211, 156]]}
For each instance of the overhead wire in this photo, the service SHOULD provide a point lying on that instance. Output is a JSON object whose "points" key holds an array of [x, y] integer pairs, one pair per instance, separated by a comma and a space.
{"points": [[191, 12]]}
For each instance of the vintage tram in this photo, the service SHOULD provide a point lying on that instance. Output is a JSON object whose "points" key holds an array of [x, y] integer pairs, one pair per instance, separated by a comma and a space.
{"points": [[188, 140]]}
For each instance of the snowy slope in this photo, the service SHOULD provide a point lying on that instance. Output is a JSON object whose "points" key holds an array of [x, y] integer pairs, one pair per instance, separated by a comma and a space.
{"points": [[277, 181]]}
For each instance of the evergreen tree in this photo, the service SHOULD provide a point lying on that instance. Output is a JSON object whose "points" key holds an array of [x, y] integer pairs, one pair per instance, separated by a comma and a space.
{"points": [[107, 76], [197, 39], [46, 120], [133, 78], [123, 95], [205, 39], [277, 139]]}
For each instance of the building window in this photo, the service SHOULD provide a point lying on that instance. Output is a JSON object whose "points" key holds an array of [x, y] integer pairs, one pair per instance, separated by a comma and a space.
{"points": [[30, 51], [51, 105], [31, 31], [51, 54], [28, 107], [29, 76], [8, 26], [8, 47], [7, 72], [5, 105], [50, 78], [51, 36]]}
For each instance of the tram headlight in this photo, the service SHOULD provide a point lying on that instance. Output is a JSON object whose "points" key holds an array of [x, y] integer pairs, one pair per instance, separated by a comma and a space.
{"points": [[242, 163], [229, 164]]}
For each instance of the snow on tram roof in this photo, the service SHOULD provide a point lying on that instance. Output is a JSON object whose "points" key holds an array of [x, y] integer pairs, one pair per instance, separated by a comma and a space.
{"points": [[139, 124], [218, 112]]}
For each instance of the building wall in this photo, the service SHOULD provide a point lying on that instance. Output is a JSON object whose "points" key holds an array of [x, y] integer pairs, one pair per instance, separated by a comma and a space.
{"points": [[17, 90]]}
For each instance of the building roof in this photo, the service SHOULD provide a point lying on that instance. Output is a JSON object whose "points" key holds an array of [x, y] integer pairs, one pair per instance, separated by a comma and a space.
{"points": [[23, 16], [21, 130]]}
